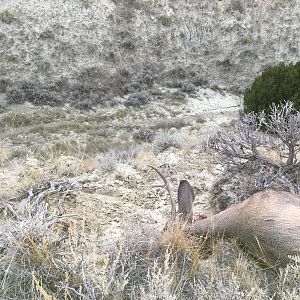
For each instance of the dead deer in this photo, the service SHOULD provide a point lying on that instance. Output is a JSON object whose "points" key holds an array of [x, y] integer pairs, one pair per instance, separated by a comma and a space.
{"points": [[268, 222]]}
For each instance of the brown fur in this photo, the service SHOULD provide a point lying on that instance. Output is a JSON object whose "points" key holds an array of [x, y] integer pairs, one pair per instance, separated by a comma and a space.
{"points": [[268, 223], [186, 199]]}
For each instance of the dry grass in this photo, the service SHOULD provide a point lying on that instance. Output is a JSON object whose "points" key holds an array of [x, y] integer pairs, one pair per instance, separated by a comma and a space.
{"points": [[4, 153], [72, 166], [46, 255]]}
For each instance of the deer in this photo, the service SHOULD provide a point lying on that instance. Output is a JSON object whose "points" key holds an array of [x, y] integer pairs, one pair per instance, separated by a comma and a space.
{"points": [[267, 223]]}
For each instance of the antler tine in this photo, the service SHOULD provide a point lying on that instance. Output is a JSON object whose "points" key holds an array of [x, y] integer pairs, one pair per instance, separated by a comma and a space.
{"points": [[168, 188]]}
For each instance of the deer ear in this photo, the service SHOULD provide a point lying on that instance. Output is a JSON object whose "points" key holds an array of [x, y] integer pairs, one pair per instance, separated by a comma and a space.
{"points": [[186, 199]]}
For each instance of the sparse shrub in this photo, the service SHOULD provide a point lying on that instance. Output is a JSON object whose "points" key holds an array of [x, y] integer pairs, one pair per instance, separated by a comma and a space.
{"points": [[47, 35], [182, 35], [261, 152], [83, 105], [2, 108], [96, 144], [177, 95], [19, 152], [120, 82], [164, 141], [165, 20], [33, 93], [274, 85], [29, 90], [127, 14], [79, 92], [175, 84], [188, 87], [6, 17], [145, 135], [146, 79], [137, 99], [132, 4], [198, 80], [156, 92], [59, 86], [45, 98], [15, 96], [118, 155], [200, 119], [246, 40], [128, 44], [181, 76], [16, 119], [86, 3], [105, 100], [237, 5], [4, 83], [171, 123], [178, 72], [91, 73], [225, 64], [85, 97], [109, 161], [43, 65]]}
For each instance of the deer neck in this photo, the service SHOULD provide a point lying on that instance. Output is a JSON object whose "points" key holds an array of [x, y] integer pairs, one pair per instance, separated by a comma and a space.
{"points": [[221, 224]]}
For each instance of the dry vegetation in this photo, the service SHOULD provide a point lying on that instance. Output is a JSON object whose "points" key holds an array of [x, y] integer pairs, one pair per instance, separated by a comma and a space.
{"points": [[81, 115], [49, 256], [57, 164]]}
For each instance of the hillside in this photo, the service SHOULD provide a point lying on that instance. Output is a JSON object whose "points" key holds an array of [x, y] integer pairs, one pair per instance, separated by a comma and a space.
{"points": [[83, 49], [94, 91]]}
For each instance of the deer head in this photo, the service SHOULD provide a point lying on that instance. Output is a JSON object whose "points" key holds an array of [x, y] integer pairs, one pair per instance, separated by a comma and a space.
{"points": [[185, 198]]}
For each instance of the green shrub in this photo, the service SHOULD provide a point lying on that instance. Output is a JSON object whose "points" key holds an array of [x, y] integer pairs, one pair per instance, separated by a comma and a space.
{"points": [[276, 84], [6, 17]]}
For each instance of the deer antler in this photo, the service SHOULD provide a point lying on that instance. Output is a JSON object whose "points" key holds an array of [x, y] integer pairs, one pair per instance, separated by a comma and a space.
{"points": [[168, 188]]}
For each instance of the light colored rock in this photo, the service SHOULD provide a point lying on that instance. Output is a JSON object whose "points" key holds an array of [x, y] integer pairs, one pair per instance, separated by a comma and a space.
{"points": [[125, 171]]}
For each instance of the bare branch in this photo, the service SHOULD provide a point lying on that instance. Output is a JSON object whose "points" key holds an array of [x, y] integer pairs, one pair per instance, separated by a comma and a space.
{"points": [[263, 149]]}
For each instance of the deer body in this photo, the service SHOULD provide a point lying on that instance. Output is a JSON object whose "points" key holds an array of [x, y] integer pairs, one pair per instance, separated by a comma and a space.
{"points": [[268, 223]]}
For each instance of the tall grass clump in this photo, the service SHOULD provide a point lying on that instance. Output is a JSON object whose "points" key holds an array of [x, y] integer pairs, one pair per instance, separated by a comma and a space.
{"points": [[118, 155]]}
